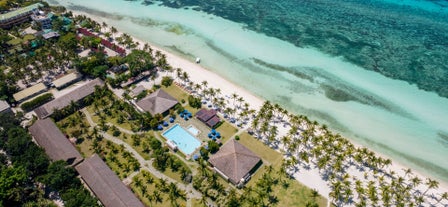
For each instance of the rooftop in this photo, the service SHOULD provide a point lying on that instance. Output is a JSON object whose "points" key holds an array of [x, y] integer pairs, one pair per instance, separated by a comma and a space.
{"points": [[209, 117], [137, 90], [4, 106], [65, 100], [157, 103], [27, 92], [234, 160], [66, 79], [20, 11], [105, 184], [56, 145]]}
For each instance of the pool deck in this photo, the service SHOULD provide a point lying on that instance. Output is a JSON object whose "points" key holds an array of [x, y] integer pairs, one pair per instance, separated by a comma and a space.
{"points": [[171, 126]]}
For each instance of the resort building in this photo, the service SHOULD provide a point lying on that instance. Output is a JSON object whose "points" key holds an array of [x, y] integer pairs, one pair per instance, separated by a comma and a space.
{"points": [[158, 102], [18, 16], [4, 107], [105, 184], [137, 90], [44, 21], [30, 92], [208, 117], [76, 95], [50, 35], [54, 142], [234, 162], [66, 80]]}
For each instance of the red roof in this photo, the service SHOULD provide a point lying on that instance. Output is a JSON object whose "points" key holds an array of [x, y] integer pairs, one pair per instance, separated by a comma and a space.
{"points": [[209, 117]]}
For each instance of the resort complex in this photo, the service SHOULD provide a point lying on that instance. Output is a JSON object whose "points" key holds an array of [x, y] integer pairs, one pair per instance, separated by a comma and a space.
{"points": [[93, 117]]}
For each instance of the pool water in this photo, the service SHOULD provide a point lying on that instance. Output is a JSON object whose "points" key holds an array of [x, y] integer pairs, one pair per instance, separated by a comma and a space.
{"points": [[185, 142], [193, 130]]}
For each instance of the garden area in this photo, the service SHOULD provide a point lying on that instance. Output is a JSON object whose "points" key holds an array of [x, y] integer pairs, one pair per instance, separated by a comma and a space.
{"points": [[157, 192]]}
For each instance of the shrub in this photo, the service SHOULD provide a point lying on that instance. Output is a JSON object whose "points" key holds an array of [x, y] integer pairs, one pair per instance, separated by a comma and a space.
{"points": [[194, 102], [237, 137], [40, 100], [167, 81]]}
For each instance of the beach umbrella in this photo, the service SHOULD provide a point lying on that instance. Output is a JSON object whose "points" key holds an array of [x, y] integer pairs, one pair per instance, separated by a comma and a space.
{"points": [[186, 118], [213, 131], [182, 115], [189, 115], [232, 120], [210, 135], [185, 111], [214, 138], [171, 120], [196, 156], [218, 135], [160, 127], [165, 123]]}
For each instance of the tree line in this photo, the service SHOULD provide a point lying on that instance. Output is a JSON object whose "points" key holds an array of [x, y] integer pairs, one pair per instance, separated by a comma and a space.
{"points": [[28, 178]]}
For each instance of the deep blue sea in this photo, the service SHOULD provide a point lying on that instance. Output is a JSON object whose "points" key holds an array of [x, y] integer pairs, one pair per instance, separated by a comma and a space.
{"points": [[375, 71]]}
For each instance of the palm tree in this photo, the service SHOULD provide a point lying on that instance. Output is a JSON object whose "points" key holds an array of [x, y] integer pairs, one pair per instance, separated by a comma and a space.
{"points": [[114, 31], [432, 184]]}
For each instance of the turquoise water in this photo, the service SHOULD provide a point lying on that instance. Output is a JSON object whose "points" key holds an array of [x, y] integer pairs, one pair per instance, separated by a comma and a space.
{"points": [[393, 117], [184, 140]]}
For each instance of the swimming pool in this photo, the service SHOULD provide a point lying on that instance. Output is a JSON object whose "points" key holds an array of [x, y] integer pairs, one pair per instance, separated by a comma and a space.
{"points": [[185, 142], [193, 130]]}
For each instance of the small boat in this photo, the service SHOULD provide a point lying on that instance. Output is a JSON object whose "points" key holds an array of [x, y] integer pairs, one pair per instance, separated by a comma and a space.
{"points": [[198, 60]]}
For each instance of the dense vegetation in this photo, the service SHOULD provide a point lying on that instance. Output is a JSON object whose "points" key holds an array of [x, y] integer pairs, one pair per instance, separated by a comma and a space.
{"points": [[30, 105], [26, 174]]}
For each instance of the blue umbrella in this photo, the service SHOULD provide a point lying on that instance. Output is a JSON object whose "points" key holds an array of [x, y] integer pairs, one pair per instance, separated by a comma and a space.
{"points": [[165, 123], [171, 120], [196, 156], [214, 138], [160, 127], [182, 115], [186, 118], [218, 135], [210, 135], [232, 120], [213, 131], [185, 111], [189, 115]]}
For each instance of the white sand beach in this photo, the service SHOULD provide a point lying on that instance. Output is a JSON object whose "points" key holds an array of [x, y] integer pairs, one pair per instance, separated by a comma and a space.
{"points": [[311, 178]]}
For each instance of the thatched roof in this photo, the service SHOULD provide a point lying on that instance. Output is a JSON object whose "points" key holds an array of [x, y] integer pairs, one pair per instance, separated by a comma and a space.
{"points": [[234, 160], [65, 100], [105, 184], [4, 106], [66, 79], [56, 145], [29, 92], [157, 103]]}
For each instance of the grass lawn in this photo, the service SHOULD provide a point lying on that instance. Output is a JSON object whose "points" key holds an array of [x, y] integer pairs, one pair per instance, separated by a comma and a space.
{"points": [[296, 194], [176, 92], [227, 131], [29, 37], [15, 41], [266, 153], [127, 138], [196, 203], [153, 194]]}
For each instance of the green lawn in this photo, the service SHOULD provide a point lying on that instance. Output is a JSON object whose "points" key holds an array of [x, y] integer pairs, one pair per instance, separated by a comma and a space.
{"points": [[266, 153], [296, 194], [176, 92], [227, 131], [152, 186]]}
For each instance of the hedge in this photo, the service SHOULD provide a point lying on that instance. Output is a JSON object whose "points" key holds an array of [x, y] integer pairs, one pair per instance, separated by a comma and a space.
{"points": [[40, 100]]}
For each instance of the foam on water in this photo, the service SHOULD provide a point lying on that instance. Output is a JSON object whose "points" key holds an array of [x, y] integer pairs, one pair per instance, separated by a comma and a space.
{"points": [[390, 116]]}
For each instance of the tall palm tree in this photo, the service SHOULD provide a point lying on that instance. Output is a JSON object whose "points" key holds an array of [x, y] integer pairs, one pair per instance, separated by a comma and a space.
{"points": [[432, 184]]}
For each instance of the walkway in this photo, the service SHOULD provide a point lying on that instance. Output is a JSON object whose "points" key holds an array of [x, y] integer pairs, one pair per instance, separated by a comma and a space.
{"points": [[146, 164]]}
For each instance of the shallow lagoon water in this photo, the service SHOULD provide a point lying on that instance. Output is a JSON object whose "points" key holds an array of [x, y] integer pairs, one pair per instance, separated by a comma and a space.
{"points": [[390, 116]]}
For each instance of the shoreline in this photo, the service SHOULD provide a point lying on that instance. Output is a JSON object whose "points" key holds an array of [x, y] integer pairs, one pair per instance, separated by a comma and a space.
{"points": [[198, 73]]}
